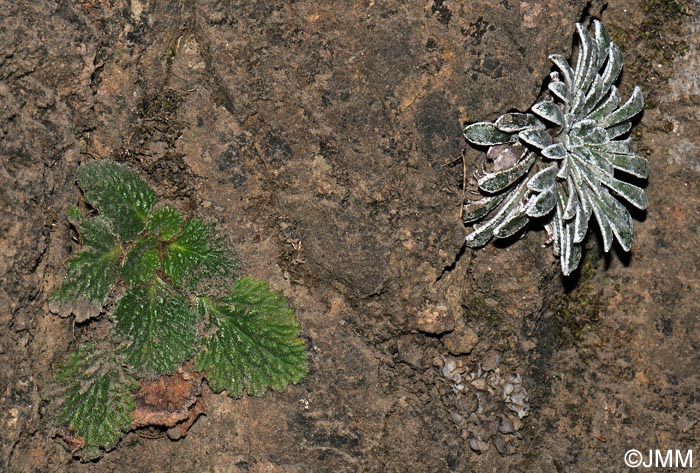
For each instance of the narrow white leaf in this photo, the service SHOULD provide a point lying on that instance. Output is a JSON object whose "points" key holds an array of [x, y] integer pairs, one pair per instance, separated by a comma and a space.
{"points": [[616, 146], [512, 224], [629, 109], [613, 67], [595, 93], [580, 224], [572, 202], [631, 193], [570, 253], [620, 221], [564, 169], [619, 130], [585, 67], [602, 41], [607, 106], [630, 163], [565, 69], [484, 232], [600, 215]]}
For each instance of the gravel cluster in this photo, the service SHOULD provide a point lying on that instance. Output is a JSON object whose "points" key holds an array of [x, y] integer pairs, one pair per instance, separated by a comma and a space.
{"points": [[486, 403]]}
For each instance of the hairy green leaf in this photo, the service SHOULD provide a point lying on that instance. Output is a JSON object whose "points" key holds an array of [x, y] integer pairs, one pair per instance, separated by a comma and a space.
{"points": [[98, 399], [195, 255], [165, 223], [256, 342], [247, 341], [92, 272], [141, 262], [119, 194], [160, 325]]}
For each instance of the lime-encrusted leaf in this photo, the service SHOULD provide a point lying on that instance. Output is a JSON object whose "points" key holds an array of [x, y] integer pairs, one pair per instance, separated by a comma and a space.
{"points": [[255, 344], [486, 134], [483, 232], [165, 223], [497, 181], [478, 209], [549, 111], [93, 270], [119, 194], [98, 399], [141, 262], [195, 255], [515, 122], [160, 325]]}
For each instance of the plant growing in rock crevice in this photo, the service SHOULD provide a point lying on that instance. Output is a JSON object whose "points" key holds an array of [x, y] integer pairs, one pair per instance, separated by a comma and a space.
{"points": [[168, 285], [565, 160]]}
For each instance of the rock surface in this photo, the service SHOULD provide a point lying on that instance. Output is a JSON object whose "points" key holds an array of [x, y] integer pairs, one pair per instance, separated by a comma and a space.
{"points": [[325, 138]]}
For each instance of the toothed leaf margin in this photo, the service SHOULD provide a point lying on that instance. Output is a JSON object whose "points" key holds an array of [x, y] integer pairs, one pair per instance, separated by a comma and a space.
{"points": [[256, 342]]}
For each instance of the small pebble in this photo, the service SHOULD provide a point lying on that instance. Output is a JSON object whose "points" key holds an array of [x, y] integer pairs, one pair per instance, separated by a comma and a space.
{"points": [[478, 445], [491, 361], [507, 389], [479, 383], [448, 368], [506, 426], [467, 402], [500, 445]]}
